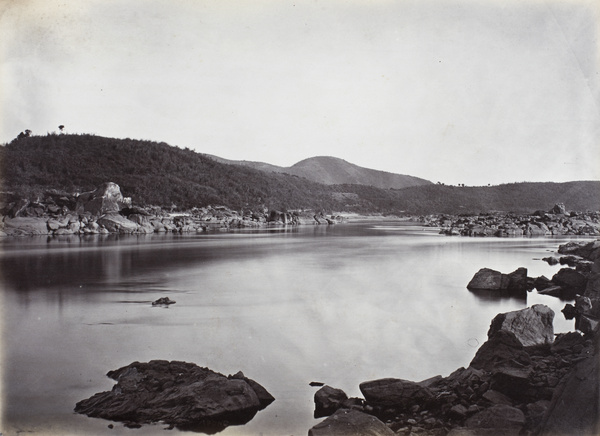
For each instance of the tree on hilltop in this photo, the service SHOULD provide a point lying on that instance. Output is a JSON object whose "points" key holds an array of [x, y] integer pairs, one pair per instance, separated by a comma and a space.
{"points": [[25, 134]]}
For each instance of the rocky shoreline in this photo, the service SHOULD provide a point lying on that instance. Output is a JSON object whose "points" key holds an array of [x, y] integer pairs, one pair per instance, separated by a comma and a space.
{"points": [[555, 222], [105, 211], [522, 381]]}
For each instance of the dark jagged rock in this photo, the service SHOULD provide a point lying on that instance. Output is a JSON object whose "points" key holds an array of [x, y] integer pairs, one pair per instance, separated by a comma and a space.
{"points": [[328, 400], [541, 283], [518, 280], [163, 301], [512, 382], [501, 349], [570, 280], [179, 394], [569, 311]]}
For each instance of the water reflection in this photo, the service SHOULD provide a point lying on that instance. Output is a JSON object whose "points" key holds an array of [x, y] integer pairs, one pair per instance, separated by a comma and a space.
{"points": [[493, 296]]}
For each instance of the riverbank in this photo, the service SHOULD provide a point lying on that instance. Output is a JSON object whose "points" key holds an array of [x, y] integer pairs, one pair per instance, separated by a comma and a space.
{"points": [[105, 210]]}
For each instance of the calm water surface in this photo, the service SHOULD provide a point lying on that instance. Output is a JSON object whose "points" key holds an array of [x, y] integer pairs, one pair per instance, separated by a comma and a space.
{"points": [[336, 304]]}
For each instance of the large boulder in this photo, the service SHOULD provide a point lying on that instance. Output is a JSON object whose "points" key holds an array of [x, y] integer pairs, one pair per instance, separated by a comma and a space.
{"points": [[105, 199], [558, 209], [328, 400], [570, 280], [180, 394], [490, 279], [585, 249], [350, 422], [116, 223], [395, 393], [531, 326]]}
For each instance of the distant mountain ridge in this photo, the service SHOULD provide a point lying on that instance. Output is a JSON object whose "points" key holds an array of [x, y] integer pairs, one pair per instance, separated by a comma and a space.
{"points": [[330, 170]]}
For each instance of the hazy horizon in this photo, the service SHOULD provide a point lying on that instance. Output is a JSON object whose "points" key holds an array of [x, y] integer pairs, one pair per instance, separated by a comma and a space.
{"points": [[461, 92]]}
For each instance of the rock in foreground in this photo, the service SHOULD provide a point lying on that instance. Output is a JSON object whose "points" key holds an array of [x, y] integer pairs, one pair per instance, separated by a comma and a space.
{"points": [[180, 394], [348, 422]]}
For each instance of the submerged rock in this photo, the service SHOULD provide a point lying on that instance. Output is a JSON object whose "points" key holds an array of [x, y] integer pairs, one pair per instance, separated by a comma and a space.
{"points": [[180, 394]]}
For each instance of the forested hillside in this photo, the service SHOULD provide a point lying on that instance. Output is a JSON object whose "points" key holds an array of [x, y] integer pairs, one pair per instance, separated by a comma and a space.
{"points": [[158, 174]]}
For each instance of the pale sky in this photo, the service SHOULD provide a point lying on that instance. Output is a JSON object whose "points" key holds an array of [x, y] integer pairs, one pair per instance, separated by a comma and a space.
{"points": [[472, 92]]}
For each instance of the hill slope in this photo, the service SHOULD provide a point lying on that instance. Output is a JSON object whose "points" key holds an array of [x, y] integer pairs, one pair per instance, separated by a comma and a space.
{"points": [[335, 171], [159, 174]]}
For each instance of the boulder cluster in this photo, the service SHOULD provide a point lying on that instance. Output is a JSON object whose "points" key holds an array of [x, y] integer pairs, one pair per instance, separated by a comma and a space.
{"points": [[523, 380], [105, 210], [508, 388], [557, 221]]}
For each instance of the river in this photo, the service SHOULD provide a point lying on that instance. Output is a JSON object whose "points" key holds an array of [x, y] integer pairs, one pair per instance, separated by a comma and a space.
{"points": [[336, 304]]}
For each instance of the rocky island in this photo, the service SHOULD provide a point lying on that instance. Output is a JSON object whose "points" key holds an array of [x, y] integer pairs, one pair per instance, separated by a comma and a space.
{"points": [[178, 394]]}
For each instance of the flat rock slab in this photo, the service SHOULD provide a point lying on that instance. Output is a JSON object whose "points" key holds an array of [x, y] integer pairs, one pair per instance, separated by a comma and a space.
{"points": [[180, 394], [395, 392], [349, 422], [499, 416]]}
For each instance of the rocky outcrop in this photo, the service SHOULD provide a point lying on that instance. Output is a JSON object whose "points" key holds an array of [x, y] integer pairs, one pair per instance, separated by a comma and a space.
{"points": [[105, 199], [105, 210], [511, 386], [180, 394], [540, 223]]}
